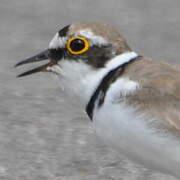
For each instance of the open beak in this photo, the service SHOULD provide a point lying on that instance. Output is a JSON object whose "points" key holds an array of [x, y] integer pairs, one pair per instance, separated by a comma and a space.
{"points": [[39, 57]]}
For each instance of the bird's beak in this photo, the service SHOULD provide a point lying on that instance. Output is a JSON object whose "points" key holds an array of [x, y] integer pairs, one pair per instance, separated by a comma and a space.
{"points": [[39, 57]]}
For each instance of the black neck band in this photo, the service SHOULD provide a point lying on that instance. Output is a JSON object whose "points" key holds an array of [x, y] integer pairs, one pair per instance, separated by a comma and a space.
{"points": [[104, 85]]}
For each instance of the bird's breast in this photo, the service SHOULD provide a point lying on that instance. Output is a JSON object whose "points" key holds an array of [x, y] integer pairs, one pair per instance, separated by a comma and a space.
{"points": [[122, 127]]}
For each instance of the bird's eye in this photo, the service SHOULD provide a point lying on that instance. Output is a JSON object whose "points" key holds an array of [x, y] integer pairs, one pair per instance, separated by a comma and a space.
{"points": [[77, 45]]}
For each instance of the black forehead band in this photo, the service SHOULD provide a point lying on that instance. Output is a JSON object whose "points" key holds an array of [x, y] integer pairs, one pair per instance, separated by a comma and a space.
{"points": [[63, 32]]}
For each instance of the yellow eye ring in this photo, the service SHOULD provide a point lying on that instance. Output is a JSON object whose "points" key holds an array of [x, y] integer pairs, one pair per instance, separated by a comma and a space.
{"points": [[77, 45]]}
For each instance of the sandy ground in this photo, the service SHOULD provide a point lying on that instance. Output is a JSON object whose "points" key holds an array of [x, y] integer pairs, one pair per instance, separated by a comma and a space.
{"points": [[43, 136]]}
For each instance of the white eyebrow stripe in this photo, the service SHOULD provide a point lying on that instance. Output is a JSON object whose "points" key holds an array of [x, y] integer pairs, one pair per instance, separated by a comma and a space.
{"points": [[94, 39], [60, 42], [57, 42]]}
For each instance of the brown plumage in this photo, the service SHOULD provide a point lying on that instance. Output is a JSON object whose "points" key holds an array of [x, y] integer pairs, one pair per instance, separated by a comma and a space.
{"points": [[159, 93], [106, 31]]}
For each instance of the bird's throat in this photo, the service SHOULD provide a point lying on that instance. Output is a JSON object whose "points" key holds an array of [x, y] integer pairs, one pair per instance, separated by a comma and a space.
{"points": [[80, 80]]}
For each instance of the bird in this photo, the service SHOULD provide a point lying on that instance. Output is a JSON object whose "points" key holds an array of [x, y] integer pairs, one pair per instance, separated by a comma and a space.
{"points": [[133, 101]]}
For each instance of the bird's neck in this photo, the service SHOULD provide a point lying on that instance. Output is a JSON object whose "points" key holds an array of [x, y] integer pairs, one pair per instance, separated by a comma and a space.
{"points": [[81, 80]]}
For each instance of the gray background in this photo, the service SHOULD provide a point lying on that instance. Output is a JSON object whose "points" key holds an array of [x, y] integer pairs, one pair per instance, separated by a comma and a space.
{"points": [[43, 135]]}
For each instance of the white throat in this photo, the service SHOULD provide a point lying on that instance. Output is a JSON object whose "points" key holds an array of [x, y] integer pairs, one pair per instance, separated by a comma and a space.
{"points": [[80, 79]]}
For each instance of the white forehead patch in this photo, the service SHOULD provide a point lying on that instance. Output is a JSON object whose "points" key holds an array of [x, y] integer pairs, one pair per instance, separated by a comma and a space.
{"points": [[94, 39], [57, 42]]}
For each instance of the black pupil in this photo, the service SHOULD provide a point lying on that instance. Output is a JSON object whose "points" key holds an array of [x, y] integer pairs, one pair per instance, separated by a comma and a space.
{"points": [[77, 45]]}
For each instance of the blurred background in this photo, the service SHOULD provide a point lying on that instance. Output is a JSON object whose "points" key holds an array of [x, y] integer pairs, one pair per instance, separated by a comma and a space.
{"points": [[43, 134]]}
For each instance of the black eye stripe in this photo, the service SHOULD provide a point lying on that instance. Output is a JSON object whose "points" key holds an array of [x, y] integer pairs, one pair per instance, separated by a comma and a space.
{"points": [[56, 54], [77, 45]]}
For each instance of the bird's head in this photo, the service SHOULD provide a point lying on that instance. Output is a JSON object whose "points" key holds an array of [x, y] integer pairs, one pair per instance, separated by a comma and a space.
{"points": [[92, 44], [78, 50]]}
